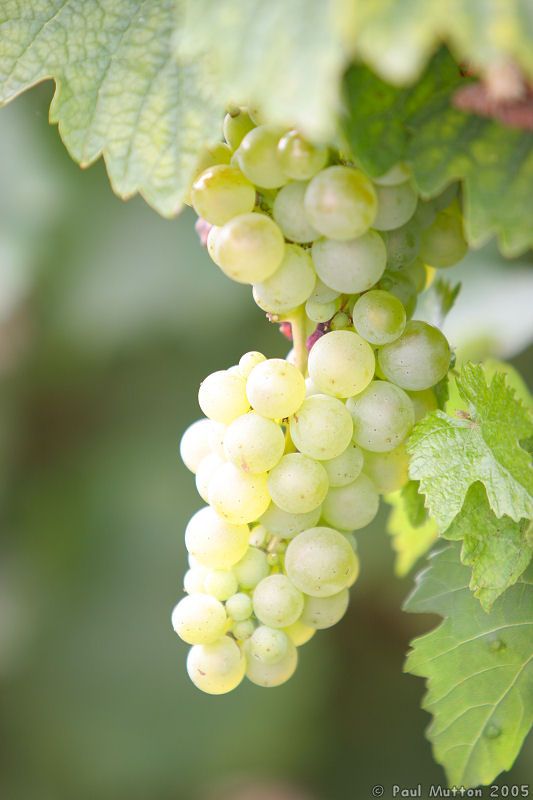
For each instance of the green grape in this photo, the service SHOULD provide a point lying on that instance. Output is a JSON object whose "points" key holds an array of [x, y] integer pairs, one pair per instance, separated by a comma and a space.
{"points": [[396, 206], [289, 212], [388, 471], [193, 580], [321, 562], [236, 126], [351, 266], [353, 506], [341, 363], [275, 388], [194, 445], [214, 542], [424, 215], [300, 159], [222, 396], [259, 159], [277, 602], [206, 470], [239, 497], [346, 467], [254, 443], [382, 416], [199, 619], [416, 272], [299, 633], [243, 630], [271, 674], [220, 193], [324, 612], [251, 569], [443, 243], [341, 202], [443, 200], [399, 285], [322, 293], [320, 312], [298, 484], [250, 360], [340, 322], [399, 173], [423, 402], [218, 153], [220, 583], [419, 359], [216, 668], [403, 245], [249, 248], [259, 535], [269, 645], [379, 317], [322, 428], [281, 523], [239, 606], [290, 285]]}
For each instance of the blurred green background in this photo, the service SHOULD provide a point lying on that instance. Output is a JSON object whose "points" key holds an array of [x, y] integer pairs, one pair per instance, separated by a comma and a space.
{"points": [[109, 319]]}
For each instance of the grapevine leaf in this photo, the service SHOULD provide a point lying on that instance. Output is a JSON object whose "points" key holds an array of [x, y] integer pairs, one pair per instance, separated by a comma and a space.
{"points": [[119, 92], [410, 542], [479, 670], [498, 550], [449, 454], [413, 503]]}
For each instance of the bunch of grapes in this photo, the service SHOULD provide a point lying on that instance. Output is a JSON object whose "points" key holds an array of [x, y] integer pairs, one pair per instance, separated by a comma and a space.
{"points": [[294, 453]]}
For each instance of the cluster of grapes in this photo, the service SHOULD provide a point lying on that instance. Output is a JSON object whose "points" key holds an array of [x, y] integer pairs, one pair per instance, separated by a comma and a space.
{"points": [[294, 453]]}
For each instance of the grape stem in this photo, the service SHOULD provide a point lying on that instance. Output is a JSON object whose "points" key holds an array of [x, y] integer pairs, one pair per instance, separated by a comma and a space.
{"points": [[299, 338]]}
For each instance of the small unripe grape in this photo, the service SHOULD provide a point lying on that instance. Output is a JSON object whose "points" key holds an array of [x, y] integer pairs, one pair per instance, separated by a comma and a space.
{"points": [[239, 606]]}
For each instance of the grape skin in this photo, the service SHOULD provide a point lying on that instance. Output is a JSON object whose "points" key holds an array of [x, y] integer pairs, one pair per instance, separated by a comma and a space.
{"points": [[340, 202], [418, 359], [320, 562], [341, 363]]}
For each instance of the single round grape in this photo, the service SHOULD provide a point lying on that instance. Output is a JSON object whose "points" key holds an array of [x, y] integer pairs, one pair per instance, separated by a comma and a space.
{"points": [[259, 159], [341, 202], [419, 359], [215, 542], [423, 402], [222, 396], [298, 484], [218, 153], [322, 293], [299, 633], [271, 674], [443, 243], [351, 507], [341, 363], [254, 443], [239, 497], [252, 568], [290, 285], [400, 286], [379, 317], [322, 428], [310, 388], [286, 525], [403, 245], [289, 212], [216, 438], [236, 126], [277, 602], [194, 445], [216, 668], [220, 193], [340, 322], [243, 629], [250, 360], [275, 388], [300, 159], [199, 619], [320, 312], [350, 266], [399, 173], [258, 535], [324, 612], [346, 467], [239, 606], [382, 416], [249, 248], [388, 471], [396, 206], [221, 583], [268, 645], [207, 468], [193, 580], [320, 562]]}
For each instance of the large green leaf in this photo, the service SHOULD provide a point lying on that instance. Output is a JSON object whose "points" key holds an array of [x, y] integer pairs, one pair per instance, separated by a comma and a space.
{"points": [[479, 670], [119, 92]]}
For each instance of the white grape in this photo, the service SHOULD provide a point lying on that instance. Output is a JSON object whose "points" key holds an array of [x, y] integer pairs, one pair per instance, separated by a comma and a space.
{"points": [[222, 396], [290, 285], [239, 497], [207, 468], [323, 612], [249, 248], [221, 583], [423, 402], [277, 602], [216, 438], [322, 428], [388, 471], [299, 633], [271, 674], [259, 535], [300, 159], [353, 506], [379, 317], [268, 645], [194, 445], [289, 213], [199, 619], [322, 293], [396, 205], [248, 361], [193, 580], [320, 312], [243, 629], [321, 562], [286, 525], [346, 467], [236, 126], [382, 415], [341, 363], [252, 568], [216, 668], [351, 266], [213, 541], [275, 388], [399, 173], [239, 606], [220, 193], [418, 359], [259, 159], [254, 443], [340, 202], [298, 484]]}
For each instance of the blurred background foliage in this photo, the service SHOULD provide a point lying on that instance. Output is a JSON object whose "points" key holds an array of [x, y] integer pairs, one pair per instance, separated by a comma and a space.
{"points": [[109, 318]]}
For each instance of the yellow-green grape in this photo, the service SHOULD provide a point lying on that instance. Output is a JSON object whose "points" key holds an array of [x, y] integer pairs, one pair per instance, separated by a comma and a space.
{"points": [[443, 244], [299, 633], [379, 317], [290, 285], [275, 388], [388, 471], [216, 668], [300, 159], [289, 212], [239, 606], [320, 312], [271, 674], [204, 473], [320, 562], [249, 248], [250, 360], [216, 438], [423, 402], [258, 535], [400, 285], [268, 645], [222, 396], [298, 484], [382, 416], [396, 206], [239, 497], [286, 525], [341, 363], [346, 467], [351, 507], [403, 245], [218, 153], [323, 612], [194, 445], [417, 274], [277, 602], [351, 266], [252, 568], [322, 428], [419, 359], [322, 293], [213, 541], [259, 159], [221, 583], [220, 193], [340, 322], [199, 619], [212, 239], [254, 443], [193, 580], [341, 202], [236, 126], [399, 173], [243, 630]]}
